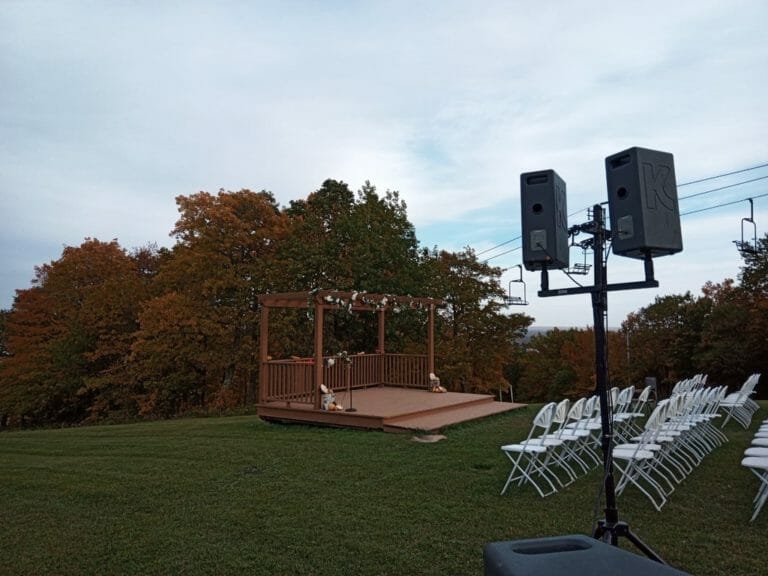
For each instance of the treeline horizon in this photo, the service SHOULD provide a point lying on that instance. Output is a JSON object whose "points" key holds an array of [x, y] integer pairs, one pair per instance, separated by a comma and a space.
{"points": [[107, 333]]}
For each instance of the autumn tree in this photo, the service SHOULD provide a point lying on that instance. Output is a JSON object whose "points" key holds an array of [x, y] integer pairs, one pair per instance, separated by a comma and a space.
{"points": [[3, 323], [547, 371], [69, 336], [206, 306], [664, 338]]}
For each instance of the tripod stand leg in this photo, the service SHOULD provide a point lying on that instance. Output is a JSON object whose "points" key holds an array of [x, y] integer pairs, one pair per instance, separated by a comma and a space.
{"points": [[609, 533], [642, 546]]}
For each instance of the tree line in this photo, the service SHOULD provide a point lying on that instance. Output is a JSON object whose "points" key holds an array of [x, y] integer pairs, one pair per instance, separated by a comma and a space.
{"points": [[721, 333], [106, 333]]}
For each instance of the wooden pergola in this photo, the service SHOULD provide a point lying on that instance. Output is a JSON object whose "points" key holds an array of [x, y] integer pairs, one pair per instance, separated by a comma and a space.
{"points": [[298, 379]]}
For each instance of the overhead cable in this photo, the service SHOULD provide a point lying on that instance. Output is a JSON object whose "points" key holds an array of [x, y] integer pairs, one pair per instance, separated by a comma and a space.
{"points": [[722, 175], [723, 187], [723, 204]]}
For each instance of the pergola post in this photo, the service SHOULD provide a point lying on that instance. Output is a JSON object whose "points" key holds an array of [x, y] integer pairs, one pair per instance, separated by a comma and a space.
{"points": [[318, 380], [380, 348], [263, 352], [431, 340], [382, 316]]}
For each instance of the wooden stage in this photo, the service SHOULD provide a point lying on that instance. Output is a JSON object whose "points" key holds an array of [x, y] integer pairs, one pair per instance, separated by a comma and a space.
{"points": [[391, 409]]}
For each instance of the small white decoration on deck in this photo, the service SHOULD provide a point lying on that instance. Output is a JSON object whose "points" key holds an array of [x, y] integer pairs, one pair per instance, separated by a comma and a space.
{"points": [[434, 384]]}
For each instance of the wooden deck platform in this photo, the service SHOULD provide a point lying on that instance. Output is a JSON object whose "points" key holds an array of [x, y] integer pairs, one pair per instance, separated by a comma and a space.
{"points": [[392, 409]]}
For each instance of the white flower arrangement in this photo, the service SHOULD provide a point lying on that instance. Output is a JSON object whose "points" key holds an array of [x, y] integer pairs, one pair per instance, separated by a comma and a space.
{"points": [[342, 356], [377, 303]]}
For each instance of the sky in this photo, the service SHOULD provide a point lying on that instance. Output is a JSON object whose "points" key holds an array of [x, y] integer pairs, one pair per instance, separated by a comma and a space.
{"points": [[110, 110]]}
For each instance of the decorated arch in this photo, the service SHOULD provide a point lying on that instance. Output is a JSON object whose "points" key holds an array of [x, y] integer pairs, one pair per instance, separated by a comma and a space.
{"points": [[298, 380]]}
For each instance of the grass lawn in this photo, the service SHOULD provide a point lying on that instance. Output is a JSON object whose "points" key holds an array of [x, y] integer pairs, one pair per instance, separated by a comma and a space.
{"points": [[237, 495]]}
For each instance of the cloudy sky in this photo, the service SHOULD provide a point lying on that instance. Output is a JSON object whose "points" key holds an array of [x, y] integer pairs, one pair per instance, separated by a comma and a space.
{"points": [[109, 110]]}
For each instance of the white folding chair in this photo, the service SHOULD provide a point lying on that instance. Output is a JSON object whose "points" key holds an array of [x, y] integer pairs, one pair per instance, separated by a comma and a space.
{"points": [[530, 458], [759, 466], [571, 439], [637, 462], [738, 405]]}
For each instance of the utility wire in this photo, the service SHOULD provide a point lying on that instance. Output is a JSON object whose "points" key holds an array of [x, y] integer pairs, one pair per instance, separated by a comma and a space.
{"points": [[497, 246], [722, 175], [721, 205], [505, 252], [722, 187]]}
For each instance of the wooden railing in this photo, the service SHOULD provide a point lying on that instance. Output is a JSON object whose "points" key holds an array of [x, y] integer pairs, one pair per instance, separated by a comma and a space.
{"points": [[290, 380], [293, 380], [405, 370]]}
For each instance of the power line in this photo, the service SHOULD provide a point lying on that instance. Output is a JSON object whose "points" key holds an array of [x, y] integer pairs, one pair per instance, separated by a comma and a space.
{"points": [[497, 246], [722, 175], [721, 205], [505, 252], [722, 187]]}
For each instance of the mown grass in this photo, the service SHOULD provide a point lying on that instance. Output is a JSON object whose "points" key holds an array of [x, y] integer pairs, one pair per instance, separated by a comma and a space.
{"points": [[237, 495]]}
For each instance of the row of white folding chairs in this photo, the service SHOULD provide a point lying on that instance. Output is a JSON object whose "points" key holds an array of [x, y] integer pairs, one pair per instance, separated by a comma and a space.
{"points": [[677, 436], [690, 384], [756, 459], [739, 405], [564, 440]]}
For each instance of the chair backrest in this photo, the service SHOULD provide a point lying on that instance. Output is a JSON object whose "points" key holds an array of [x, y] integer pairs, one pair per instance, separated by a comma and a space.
{"points": [[656, 419], [543, 419], [577, 410], [613, 395], [561, 411], [713, 399], [625, 398], [591, 406], [642, 399]]}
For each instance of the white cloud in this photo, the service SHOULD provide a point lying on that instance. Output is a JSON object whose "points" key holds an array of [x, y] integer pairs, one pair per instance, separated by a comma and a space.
{"points": [[115, 109]]}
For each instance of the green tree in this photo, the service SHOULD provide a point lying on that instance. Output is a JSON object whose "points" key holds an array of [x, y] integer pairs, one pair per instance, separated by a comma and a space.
{"points": [[754, 272], [476, 340], [358, 242]]}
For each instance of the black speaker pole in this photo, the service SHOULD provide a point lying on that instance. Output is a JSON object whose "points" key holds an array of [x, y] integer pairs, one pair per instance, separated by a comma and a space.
{"points": [[599, 310], [610, 528]]}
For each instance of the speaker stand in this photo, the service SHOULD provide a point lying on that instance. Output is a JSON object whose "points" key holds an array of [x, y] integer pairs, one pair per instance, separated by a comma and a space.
{"points": [[610, 529]]}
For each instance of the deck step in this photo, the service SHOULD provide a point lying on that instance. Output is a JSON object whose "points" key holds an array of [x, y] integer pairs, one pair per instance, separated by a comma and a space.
{"points": [[436, 419]]}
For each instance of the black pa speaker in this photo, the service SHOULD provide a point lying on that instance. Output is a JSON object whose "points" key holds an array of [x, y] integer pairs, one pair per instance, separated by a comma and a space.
{"points": [[544, 220], [642, 200], [575, 555]]}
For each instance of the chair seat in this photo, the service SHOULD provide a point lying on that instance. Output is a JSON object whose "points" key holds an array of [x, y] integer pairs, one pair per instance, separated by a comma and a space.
{"points": [[574, 434], [660, 437], [646, 446], [548, 441], [633, 454], [759, 451], [758, 462], [533, 448]]}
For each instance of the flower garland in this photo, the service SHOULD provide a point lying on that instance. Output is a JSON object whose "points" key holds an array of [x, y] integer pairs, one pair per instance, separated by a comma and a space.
{"points": [[342, 356], [362, 297]]}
